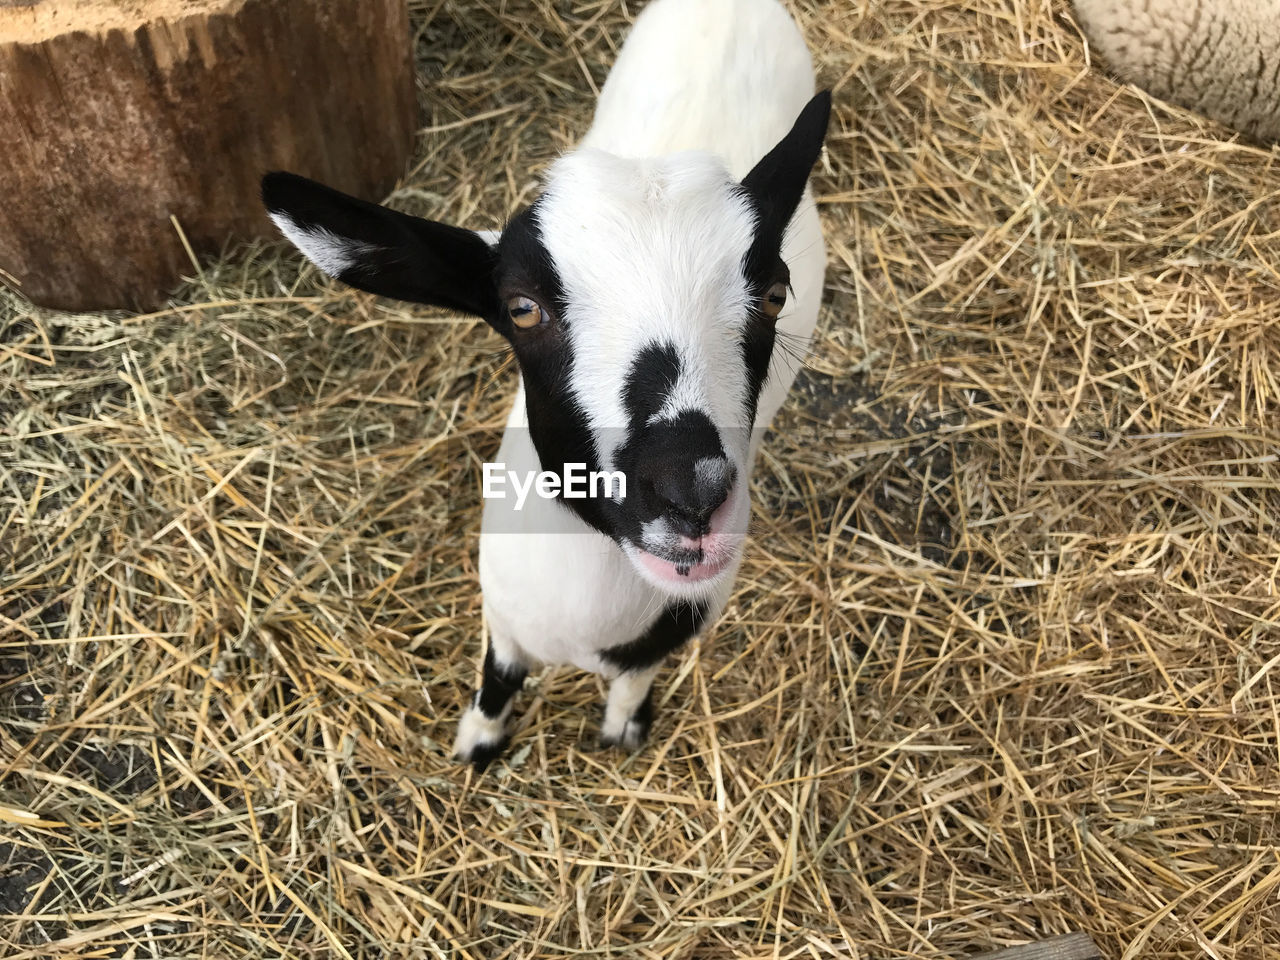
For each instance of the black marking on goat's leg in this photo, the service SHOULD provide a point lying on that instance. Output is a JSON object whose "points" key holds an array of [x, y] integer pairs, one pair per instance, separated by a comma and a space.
{"points": [[629, 713], [644, 713], [498, 687], [483, 755], [673, 628]]}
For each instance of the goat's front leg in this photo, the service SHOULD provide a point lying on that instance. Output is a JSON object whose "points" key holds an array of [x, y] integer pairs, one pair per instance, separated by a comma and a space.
{"points": [[482, 731], [628, 712]]}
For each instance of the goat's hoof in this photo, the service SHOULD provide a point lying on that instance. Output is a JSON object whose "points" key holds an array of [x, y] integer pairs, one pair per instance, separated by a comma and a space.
{"points": [[481, 756], [629, 736], [480, 739]]}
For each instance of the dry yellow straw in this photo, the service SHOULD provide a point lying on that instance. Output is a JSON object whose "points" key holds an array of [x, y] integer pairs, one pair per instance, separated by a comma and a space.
{"points": [[1003, 659]]}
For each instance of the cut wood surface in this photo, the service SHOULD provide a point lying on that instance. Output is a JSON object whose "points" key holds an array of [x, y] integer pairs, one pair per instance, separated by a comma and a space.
{"points": [[1070, 946], [118, 116]]}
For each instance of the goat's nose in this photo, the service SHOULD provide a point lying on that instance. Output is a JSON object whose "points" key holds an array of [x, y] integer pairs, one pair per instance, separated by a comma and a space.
{"points": [[690, 501]]}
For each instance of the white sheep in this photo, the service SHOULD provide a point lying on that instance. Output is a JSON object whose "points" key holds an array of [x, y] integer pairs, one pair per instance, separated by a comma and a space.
{"points": [[1219, 57], [645, 294]]}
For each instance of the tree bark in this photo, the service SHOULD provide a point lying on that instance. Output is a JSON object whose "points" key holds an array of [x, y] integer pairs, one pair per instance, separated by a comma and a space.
{"points": [[116, 116]]}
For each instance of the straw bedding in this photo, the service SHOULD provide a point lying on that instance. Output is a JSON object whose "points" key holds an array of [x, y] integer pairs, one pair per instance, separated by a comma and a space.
{"points": [[1002, 661]]}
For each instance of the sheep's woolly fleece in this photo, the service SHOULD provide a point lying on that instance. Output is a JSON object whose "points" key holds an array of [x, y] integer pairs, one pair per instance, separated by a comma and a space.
{"points": [[1003, 658], [1221, 57]]}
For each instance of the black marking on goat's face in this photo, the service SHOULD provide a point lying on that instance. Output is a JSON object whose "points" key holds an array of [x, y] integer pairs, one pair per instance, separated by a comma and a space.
{"points": [[558, 425], [524, 268], [638, 365], [652, 276], [677, 469], [649, 347], [649, 382], [678, 475], [760, 332]]}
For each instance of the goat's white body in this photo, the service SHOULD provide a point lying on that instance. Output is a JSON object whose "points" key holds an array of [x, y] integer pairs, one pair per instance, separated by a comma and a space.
{"points": [[724, 76]]}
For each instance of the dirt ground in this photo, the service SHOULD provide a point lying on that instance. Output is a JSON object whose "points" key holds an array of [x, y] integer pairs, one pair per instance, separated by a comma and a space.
{"points": [[1001, 660]]}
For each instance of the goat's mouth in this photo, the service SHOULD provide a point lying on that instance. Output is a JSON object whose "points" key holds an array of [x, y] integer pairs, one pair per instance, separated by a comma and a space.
{"points": [[684, 567], [681, 564]]}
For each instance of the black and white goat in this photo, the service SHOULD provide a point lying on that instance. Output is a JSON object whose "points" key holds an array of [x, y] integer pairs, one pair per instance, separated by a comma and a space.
{"points": [[644, 293]]}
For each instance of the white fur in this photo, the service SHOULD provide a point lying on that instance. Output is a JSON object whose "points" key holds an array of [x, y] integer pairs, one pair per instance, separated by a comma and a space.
{"points": [[648, 237], [475, 730], [729, 76], [328, 251], [650, 251], [711, 470], [625, 696]]}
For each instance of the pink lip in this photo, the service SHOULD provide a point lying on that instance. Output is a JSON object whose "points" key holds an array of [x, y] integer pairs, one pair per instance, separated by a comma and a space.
{"points": [[717, 548], [666, 570]]}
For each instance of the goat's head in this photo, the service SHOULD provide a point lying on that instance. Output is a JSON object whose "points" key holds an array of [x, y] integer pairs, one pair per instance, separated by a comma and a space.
{"points": [[640, 297]]}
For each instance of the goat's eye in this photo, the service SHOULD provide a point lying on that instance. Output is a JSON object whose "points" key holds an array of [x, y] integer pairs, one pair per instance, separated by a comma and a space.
{"points": [[525, 313], [775, 298]]}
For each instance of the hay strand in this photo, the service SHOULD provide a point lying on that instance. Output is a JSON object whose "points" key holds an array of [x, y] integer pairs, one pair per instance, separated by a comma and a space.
{"points": [[1001, 664]]}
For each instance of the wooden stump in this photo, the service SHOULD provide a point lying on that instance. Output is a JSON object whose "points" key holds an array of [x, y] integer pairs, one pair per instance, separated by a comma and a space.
{"points": [[117, 114]]}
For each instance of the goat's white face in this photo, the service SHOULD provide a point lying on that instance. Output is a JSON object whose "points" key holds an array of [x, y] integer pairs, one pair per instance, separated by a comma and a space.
{"points": [[640, 298], [654, 305], [650, 255]]}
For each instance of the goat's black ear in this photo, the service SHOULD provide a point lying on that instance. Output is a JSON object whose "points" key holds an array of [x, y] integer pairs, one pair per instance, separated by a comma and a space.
{"points": [[777, 182], [382, 251]]}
